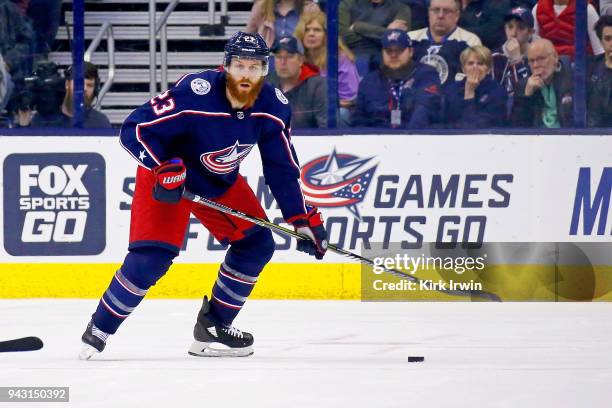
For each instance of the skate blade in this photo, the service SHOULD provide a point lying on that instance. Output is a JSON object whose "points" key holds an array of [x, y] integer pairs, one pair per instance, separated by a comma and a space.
{"points": [[203, 349], [87, 352]]}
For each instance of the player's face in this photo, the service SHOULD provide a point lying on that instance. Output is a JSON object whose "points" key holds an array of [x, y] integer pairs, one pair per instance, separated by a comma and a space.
{"points": [[517, 30], [246, 68], [476, 65], [287, 65], [443, 16], [314, 35], [606, 41], [245, 79], [396, 57]]}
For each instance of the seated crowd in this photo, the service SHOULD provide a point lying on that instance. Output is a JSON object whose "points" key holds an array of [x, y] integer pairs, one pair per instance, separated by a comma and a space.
{"points": [[455, 64], [407, 64]]}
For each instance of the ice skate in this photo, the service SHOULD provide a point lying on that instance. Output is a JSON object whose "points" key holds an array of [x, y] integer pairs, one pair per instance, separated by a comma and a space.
{"points": [[213, 340], [94, 341]]}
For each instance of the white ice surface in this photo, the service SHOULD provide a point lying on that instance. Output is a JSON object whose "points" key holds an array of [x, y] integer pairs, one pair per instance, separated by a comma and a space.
{"points": [[324, 354]]}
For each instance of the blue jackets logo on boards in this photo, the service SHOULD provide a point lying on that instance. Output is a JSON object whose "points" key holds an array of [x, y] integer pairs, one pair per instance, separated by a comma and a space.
{"points": [[337, 180], [54, 204]]}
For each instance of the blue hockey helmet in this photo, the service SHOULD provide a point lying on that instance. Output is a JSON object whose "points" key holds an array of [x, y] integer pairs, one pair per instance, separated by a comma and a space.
{"points": [[246, 45]]}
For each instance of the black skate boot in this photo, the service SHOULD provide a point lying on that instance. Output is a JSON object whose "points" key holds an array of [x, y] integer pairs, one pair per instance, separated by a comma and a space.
{"points": [[94, 341], [213, 340]]}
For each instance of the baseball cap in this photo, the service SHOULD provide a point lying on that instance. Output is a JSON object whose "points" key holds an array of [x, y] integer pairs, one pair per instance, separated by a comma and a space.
{"points": [[520, 13], [290, 44], [396, 38]]}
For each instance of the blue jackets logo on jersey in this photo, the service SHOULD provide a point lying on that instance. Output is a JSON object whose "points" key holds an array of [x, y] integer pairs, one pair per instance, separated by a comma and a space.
{"points": [[225, 160], [337, 180]]}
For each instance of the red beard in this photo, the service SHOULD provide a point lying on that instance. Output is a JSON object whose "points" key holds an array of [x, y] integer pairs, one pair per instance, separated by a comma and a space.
{"points": [[244, 97]]}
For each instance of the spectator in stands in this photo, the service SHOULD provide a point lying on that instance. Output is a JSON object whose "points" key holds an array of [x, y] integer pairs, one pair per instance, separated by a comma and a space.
{"points": [[476, 101], [45, 16], [418, 13], [274, 19], [65, 116], [6, 90], [16, 36], [556, 20], [301, 83], [442, 42], [605, 7], [362, 22], [600, 78], [545, 99], [402, 93], [510, 61], [485, 18], [6, 84], [312, 32]]}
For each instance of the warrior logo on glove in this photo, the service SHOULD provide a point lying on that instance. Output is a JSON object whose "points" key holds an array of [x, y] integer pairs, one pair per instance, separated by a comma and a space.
{"points": [[169, 181]]}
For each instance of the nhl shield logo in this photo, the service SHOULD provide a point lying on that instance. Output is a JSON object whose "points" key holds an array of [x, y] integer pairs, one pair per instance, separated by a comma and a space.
{"points": [[337, 180], [200, 86]]}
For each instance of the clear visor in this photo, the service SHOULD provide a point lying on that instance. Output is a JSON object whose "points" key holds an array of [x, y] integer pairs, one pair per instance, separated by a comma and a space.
{"points": [[240, 66]]}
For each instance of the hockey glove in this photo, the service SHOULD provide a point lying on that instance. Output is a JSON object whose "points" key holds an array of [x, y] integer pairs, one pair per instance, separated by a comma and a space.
{"points": [[311, 225], [169, 181]]}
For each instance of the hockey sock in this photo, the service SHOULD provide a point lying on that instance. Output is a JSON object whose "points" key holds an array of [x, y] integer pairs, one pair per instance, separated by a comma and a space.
{"points": [[238, 274], [141, 270]]}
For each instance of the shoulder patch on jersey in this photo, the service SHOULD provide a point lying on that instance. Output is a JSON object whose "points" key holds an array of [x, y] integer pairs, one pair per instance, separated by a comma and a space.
{"points": [[280, 96], [200, 86]]}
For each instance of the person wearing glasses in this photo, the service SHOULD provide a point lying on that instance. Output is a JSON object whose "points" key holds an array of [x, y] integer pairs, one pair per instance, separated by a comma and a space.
{"points": [[545, 98], [440, 44]]}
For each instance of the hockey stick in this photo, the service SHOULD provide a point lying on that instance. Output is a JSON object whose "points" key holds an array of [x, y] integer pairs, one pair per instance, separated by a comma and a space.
{"points": [[22, 344], [286, 231]]}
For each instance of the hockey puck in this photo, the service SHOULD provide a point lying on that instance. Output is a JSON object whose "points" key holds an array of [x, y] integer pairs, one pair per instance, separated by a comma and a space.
{"points": [[415, 359]]}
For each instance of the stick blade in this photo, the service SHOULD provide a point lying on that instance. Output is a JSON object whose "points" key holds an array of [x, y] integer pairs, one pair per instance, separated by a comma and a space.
{"points": [[23, 344]]}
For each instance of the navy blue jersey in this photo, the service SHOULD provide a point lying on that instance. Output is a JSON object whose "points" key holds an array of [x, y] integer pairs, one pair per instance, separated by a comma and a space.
{"points": [[487, 109], [508, 74], [195, 121], [417, 97], [443, 56]]}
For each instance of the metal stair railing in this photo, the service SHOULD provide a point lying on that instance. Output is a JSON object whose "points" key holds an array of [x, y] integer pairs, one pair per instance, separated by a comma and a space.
{"points": [[105, 29], [158, 27], [211, 28]]}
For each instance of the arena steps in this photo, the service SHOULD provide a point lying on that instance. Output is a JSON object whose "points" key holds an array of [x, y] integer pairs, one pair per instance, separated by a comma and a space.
{"points": [[188, 51]]}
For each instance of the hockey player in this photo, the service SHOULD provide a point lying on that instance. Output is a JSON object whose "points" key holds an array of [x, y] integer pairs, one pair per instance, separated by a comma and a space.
{"points": [[194, 136]]}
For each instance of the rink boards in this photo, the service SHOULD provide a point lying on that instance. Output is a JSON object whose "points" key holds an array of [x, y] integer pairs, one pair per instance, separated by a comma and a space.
{"points": [[66, 204]]}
